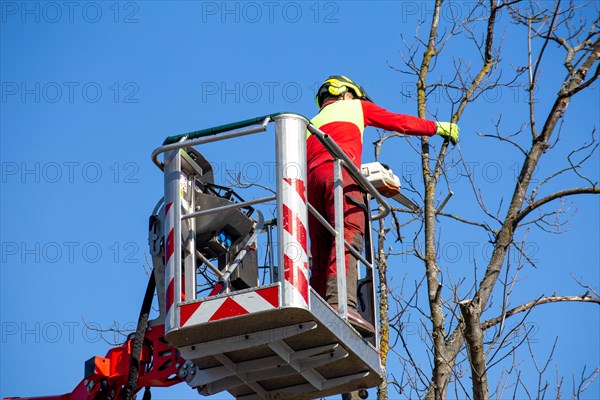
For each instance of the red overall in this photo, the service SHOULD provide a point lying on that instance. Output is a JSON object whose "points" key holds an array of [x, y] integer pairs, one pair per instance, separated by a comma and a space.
{"points": [[344, 121]]}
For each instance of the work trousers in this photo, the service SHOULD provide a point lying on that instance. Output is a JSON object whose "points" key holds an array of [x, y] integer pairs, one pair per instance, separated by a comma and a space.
{"points": [[323, 277]]}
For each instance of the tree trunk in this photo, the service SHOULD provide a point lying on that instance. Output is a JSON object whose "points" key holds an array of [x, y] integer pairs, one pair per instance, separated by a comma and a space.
{"points": [[474, 339], [382, 390]]}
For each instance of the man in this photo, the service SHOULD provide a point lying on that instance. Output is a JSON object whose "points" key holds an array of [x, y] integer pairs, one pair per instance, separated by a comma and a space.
{"points": [[345, 110]]}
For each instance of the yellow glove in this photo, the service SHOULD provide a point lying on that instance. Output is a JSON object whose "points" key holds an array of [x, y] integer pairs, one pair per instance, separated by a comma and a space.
{"points": [[448, 130]]}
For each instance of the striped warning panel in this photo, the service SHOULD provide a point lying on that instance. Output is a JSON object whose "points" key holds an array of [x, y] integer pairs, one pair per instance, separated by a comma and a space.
{"points": [[229, 306], [170, 266], [295, 243]]}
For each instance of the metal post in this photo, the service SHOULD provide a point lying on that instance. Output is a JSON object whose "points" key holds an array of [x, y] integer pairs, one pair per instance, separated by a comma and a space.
{"points": [[370, 272], [172, 173], [270, 248], [292, 215], [189, 272], [338, 196]]}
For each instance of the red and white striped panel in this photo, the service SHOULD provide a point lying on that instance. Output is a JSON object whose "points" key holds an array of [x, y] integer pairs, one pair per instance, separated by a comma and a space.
{"points": [[229, 306], [169, 267], [295, 242]]}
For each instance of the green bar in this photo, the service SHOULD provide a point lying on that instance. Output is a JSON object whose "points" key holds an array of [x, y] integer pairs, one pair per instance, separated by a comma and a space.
{"points": [[220, 129]]}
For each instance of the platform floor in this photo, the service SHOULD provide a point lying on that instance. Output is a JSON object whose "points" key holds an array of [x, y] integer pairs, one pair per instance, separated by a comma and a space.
{"points": [[285, 353]]}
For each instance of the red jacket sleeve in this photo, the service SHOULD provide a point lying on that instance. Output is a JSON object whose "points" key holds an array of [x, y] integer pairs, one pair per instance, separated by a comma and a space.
{"points": [[381, 118]]}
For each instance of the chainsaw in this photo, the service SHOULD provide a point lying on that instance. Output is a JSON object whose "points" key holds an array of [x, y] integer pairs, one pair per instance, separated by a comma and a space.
{"points": [[386, 183]]}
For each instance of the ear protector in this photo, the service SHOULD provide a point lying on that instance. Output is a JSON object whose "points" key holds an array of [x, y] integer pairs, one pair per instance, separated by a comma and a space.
{"points": [[336, 88]]}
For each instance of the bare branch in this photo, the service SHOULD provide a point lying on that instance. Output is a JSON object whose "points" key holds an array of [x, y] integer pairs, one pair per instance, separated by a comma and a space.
{"points": [[579, 75], [466, 221], [542, 370], [584, 382], [573, 166], [583, 285], [585, 298], [119, 334], [533, 75], [554, 196]]}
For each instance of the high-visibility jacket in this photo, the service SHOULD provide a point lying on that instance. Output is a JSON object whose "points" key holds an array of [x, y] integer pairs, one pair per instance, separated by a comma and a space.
{"points": [[345, 121]]}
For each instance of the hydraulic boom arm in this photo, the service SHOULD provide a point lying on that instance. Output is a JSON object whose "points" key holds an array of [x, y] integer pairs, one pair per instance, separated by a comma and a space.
{"points": [[106, 377]]}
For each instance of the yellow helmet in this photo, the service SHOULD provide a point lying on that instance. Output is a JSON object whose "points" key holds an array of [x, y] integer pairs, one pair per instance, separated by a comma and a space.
{"points": [[337, 85]]}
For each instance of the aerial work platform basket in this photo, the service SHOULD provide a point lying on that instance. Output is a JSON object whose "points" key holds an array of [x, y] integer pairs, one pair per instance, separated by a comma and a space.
{"points": [[271, 339]]}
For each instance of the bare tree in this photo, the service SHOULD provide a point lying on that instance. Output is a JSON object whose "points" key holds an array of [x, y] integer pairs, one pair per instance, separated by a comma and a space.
{"points": [[460, 341]]}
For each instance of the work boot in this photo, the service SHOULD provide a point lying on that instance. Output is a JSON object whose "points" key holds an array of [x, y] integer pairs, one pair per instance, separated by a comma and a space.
{"points": [[363, 326]]}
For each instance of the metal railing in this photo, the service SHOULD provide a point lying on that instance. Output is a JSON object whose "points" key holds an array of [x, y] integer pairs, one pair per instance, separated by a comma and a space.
{"points": [[290, 148], [341, 160]]}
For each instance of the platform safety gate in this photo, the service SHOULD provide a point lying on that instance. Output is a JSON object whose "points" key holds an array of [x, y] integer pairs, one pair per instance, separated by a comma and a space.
{"points": [[275, 341]]}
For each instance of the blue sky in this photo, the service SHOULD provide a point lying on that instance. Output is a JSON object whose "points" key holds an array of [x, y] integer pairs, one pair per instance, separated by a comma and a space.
{"points": [[89, 89]]}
